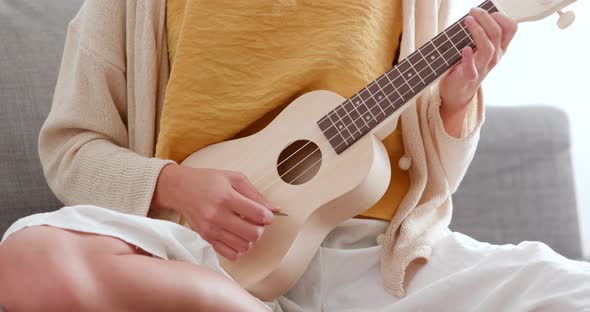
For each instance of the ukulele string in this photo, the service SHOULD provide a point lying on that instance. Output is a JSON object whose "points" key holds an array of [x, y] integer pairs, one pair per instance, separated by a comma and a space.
{"points": [[239, 162], [377, 102], [301, 161], [441, 55], [318, 148], [263, 189]]}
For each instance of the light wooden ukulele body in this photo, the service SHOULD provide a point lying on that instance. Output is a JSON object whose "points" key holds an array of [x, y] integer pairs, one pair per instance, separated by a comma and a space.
{"points": [[344, 186], [322, 160]]}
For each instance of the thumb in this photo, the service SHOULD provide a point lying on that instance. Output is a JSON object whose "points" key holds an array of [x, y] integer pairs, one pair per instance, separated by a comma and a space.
{"points": [[244, 187]]}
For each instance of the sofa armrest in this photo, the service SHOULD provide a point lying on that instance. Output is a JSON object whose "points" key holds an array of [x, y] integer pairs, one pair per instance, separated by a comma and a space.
{"points": [[520, 184]]}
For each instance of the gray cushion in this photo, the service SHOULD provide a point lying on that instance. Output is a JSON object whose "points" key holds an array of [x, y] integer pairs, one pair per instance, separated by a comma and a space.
{"points": [[32, 35], [520, 185]]}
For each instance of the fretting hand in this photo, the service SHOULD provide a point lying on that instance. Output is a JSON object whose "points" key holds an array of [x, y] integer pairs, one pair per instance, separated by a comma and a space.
{"points": [[492, 34]]}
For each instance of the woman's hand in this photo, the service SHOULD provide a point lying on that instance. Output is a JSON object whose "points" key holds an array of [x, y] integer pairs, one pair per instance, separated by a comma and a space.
{"points": [[222, 206], [492, 34]]}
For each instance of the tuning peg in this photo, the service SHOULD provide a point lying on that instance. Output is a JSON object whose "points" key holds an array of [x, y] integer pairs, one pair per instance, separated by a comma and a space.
{"points": [[565, 19]]}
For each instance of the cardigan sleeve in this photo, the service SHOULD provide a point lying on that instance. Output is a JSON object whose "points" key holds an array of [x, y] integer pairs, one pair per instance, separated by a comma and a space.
{"points": [[83, 144], [455, 154]]}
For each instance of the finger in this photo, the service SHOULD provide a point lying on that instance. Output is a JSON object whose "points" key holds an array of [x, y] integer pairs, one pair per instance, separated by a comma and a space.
{"points": [[468, 64], [492, 30], [485, 48], [235, 242], [243, 228], [244, 187], [251, 210], [225, 250], [509, 28], [489, 24]]}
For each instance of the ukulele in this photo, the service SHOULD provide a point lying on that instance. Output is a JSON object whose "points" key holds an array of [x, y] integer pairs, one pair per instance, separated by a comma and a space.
{"points": [[322, 160]]}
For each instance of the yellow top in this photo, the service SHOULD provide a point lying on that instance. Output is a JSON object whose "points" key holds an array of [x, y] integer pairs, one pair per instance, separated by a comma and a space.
{"points": [[236, 64]]}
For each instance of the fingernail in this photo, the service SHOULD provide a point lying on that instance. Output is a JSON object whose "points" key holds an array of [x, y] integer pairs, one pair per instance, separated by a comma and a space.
{"points": [[272, 207], [277, 211], [469, 21]]}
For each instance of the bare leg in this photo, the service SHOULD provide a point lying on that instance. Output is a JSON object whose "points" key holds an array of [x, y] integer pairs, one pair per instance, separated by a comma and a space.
{"points": [[44, 268]]}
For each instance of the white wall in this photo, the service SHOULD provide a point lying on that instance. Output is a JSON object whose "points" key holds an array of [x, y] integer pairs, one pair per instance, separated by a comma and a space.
{"points": [[551, 66]]}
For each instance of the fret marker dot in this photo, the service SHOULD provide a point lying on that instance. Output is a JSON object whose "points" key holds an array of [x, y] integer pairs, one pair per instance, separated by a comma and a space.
{"points": [[368, 117], [358, 102], [380, 97], [340, 127], [432, 57], [410, 75]]}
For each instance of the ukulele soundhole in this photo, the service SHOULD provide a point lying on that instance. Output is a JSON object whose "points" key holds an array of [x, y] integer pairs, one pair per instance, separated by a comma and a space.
{"points": [[299, 162]]}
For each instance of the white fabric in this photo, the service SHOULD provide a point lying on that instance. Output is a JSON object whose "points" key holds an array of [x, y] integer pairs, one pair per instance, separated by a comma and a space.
{"points": [[162, 239], [462, 275], [344, 275]]}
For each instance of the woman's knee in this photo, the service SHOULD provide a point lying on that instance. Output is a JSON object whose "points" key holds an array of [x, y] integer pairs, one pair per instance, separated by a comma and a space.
{"points": [[41, 267]]}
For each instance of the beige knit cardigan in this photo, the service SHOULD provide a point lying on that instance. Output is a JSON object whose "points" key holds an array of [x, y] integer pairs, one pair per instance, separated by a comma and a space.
{"points": [[97, 144]]}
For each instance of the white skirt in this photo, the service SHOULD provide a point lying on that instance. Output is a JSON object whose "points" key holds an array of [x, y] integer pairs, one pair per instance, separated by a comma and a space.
{"points": [[345, 274]]}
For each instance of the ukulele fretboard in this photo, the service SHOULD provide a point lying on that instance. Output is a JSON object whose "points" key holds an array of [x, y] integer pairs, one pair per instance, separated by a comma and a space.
{"points": [[361, 113]]}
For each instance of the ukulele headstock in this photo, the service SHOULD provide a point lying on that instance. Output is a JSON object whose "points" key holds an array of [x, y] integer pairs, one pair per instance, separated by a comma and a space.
{"points": [[534, 10]]}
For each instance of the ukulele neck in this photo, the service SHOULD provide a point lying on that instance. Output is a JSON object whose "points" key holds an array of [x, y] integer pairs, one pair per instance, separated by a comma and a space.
{"points": [[373, 104]]}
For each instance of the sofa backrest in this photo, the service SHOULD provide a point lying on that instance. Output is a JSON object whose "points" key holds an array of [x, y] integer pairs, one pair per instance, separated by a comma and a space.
{"points": [[520, 185], [32, 35]]}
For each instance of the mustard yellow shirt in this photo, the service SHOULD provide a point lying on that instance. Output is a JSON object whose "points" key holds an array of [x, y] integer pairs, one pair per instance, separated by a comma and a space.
{"points": [[236, 64]]}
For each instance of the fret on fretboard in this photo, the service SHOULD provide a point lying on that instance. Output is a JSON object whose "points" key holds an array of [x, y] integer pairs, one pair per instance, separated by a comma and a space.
{"points": [[362, 112]]}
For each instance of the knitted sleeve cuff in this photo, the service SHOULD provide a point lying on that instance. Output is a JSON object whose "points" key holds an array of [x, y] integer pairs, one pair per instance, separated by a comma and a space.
{"points": [[456, 153], [109, 176]]}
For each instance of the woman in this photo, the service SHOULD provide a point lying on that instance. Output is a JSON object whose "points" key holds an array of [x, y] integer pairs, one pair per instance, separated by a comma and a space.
{"points": [[121, 122]]}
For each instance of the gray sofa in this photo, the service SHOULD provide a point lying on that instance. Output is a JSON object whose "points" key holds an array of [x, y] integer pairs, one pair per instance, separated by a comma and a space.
{"points": [[519, 187]]}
